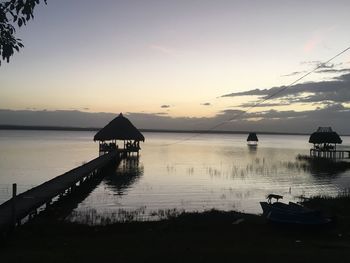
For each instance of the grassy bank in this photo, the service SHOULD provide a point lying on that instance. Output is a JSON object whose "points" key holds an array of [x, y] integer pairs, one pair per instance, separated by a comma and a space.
{"points": [[323, 165], [337, 207], [190, 237]]}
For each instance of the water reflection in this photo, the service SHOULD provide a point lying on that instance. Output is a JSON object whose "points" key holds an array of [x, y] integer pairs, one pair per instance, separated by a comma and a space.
{"points": [[319, 167], [252, 149], [127, 174], [198, 176]]}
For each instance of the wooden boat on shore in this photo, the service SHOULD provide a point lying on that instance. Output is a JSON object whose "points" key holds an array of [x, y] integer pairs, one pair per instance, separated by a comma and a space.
{"points": [[291, 213]]}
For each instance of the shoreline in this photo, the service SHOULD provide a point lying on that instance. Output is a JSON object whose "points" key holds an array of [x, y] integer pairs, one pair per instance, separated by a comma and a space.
{"points": [[193, 237], [68, 128]]}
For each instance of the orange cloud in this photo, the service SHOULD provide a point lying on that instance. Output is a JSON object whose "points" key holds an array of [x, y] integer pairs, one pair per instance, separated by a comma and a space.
{"points": [[312, 43], [317, 38]]}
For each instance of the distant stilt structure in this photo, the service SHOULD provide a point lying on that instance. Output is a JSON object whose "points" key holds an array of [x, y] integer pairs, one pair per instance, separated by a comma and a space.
{"points": [[252, 139], [325, 142], [119, 129]]}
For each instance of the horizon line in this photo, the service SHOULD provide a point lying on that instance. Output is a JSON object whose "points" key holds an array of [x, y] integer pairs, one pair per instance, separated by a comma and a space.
{"points": [[70, 128]]}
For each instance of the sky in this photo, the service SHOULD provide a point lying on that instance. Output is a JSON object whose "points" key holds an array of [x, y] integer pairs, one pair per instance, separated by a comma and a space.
{"points": [[175, 61]]}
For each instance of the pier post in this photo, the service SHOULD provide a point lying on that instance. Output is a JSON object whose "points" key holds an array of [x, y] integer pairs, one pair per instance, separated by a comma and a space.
{"points": [[14, 194]]}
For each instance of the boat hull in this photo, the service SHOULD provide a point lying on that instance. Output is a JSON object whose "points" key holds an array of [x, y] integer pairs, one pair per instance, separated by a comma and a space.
{"points": [[292, 214]]}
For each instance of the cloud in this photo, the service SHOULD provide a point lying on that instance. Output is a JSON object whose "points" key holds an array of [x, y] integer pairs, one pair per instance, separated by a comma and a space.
{"points": [[312, 43], [206, 104], [79, 108], [344, 70], [320, 64], [294, 73], [322, 68], [163, 49], [331, 97], [335, 115], [71, 118], [255, 92], [269, 114], [311, 62], [336, 90], [274, 104], [317, 38]]}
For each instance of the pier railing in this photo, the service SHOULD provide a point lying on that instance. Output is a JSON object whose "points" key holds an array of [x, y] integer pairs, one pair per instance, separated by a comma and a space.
{"points": [[331, 154]]}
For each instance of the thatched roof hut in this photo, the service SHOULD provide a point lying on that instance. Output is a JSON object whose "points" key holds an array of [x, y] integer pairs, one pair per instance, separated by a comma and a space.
{"points": [[252, 137], [120, 128], [325, 135]]}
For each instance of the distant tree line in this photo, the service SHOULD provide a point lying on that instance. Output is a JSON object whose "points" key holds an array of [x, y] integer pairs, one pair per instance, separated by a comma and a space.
{"points": [[14, 13]]}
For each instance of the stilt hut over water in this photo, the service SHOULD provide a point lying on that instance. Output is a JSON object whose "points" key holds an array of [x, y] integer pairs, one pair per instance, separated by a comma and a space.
{"points": [[325, 142], [119, 129], [252, 139]]}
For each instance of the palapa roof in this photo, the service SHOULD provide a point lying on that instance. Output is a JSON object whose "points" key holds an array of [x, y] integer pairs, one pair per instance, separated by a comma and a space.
{"points": [[252, 137], [120, 128], [325, 135]]}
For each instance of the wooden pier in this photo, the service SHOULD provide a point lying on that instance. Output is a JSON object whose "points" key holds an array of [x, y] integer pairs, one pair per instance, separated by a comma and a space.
{"points": [[28, 203]]}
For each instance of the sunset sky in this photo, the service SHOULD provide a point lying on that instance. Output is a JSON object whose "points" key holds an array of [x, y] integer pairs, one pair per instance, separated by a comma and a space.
{"points": [[176, 58]]}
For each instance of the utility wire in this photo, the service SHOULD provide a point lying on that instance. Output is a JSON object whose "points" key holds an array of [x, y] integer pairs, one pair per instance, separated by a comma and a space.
{"points": [[260, 101]]}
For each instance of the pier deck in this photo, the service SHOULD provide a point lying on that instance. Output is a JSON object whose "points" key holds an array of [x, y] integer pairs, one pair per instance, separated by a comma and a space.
{"points": [[24, 204]]}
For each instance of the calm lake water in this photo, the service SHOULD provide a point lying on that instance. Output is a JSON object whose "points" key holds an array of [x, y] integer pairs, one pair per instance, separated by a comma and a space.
{"points": [[205, 172]]}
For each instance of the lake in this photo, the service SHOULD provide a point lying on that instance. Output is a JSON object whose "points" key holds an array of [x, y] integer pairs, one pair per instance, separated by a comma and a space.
{"points": [[175, 171]]}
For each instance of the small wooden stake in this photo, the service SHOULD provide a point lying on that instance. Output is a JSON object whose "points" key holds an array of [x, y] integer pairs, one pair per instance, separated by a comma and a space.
{"points": [[14, 194]]}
